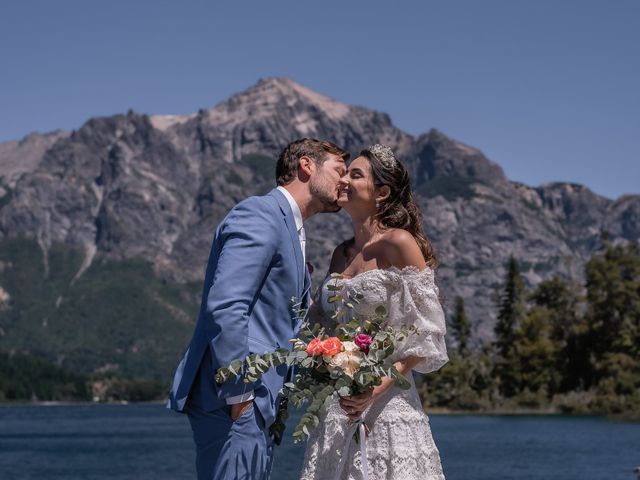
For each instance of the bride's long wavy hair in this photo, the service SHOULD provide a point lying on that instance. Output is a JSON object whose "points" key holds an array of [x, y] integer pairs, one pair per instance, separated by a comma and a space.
{"points": [[399, 209]]}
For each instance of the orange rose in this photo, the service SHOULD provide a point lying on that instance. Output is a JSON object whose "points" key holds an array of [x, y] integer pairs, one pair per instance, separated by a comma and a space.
{"points": [[331, 346], [315, 347]]}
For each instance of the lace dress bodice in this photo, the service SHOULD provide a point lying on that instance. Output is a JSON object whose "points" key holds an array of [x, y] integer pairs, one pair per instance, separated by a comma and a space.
{"points": [[410, 297], [400, 445]]}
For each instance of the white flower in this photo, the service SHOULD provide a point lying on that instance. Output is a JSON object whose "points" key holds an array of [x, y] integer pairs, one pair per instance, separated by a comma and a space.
{"points": [[348, 361], [350, 347]]}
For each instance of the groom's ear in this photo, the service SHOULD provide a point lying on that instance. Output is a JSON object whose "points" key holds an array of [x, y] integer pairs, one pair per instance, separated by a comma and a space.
{"points": [[306, 166]]}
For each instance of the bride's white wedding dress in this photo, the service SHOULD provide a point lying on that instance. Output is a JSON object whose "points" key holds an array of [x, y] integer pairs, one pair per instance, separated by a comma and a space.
{"points": [[400, 445]]}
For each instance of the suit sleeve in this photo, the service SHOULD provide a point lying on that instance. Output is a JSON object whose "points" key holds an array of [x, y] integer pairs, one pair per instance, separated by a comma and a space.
{"points": [[249, 239]]}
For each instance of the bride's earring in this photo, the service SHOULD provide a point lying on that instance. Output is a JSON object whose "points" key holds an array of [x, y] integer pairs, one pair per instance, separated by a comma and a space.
{"points": [[377, 204]]}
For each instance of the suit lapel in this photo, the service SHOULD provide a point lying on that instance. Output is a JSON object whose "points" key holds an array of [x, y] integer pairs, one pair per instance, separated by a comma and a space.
{"points": [[296, 247], [306, 293], [293, 233]]}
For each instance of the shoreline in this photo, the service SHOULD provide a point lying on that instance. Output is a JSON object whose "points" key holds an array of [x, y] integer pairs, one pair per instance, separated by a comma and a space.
{"points": [[70, 403], [505, 412], [529, 412]]}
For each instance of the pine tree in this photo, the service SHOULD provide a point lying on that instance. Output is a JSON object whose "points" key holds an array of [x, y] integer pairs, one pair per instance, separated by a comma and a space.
{"points": [[461, 328], [511, 310], [558, 302], [613, 319], [560, 299], [536, 354]]}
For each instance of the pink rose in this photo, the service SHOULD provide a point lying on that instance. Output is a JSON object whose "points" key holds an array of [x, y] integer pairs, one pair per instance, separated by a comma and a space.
{"points": [[363, 341]]}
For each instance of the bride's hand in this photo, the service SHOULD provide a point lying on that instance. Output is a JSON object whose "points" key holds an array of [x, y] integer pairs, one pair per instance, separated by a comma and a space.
{"points": [[355, 406]]}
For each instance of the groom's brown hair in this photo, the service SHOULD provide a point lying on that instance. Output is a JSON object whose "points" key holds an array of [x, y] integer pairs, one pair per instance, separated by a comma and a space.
{"points": [[287, 166]]}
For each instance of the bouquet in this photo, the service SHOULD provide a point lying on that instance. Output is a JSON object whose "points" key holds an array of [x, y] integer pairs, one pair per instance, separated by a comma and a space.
{"points": [[348, 357]]}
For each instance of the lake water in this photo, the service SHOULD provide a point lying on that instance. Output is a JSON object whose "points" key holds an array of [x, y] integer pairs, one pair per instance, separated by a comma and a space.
{"points": [[145, 442]]}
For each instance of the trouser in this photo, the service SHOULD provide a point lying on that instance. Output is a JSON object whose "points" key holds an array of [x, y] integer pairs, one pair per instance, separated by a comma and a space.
{"points": [[228, 450]]}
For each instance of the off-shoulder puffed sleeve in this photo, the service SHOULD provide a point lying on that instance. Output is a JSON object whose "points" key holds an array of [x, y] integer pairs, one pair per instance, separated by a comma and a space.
{"points": [[414, 301]]}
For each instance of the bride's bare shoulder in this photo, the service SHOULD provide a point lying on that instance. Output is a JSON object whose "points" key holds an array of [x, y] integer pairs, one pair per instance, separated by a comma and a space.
{"points": [[401, 249]]}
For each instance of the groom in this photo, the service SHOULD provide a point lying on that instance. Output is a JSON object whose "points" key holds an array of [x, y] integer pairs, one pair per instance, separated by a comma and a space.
{"points": [[256, 271]]}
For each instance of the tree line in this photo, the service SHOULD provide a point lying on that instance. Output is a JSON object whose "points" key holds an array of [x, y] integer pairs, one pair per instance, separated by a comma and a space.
{"points": [[566, 346], [24, 377], [563, 346]]}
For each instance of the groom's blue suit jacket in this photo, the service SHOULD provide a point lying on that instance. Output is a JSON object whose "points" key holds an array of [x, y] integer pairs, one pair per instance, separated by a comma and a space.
{"points": [[254, 276]]}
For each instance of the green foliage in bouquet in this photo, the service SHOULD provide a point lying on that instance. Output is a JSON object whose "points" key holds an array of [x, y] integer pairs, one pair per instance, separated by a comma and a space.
{"points": [[346, 356]]}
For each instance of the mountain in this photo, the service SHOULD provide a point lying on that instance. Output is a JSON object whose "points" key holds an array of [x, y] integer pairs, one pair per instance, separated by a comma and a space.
{"points": [[105, 231]]}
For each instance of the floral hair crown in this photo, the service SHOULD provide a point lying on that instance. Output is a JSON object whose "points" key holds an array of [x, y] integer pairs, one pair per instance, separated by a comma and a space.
{"points": [[384, 154]]}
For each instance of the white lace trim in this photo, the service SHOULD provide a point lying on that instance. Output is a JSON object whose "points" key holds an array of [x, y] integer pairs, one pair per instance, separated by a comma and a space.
{"points": [[394, 273]]}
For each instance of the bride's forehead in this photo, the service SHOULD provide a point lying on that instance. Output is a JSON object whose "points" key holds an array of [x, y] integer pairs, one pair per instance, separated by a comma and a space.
{"points": [[359, 163]]}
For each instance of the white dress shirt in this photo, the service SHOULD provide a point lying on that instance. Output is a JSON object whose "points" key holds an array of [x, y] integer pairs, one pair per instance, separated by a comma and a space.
{"points": [[297, 216]]}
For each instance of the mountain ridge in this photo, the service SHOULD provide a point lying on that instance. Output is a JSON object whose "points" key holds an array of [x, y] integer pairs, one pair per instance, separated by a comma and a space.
{"points": [[133, 186]]}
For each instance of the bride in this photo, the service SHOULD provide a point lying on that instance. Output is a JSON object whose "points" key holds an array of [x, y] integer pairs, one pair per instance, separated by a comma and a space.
{"points": [[390, 262]]}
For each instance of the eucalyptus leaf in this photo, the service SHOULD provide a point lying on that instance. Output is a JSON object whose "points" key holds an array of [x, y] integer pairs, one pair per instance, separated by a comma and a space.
{"points": [[381, 311], [344, 391]]}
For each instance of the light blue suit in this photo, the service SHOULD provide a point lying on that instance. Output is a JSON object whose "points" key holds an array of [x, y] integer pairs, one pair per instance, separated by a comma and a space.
{"points": [[254, 276]]}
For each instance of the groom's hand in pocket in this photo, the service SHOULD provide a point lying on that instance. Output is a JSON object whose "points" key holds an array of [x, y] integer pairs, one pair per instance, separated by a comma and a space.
{"points": [[239, 409]]}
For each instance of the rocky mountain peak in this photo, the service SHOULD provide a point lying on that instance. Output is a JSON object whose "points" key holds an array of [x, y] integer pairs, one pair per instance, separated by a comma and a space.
{"points": [[20, 157], [438, 155], [268, 115], [276, 97], [282, 88]]}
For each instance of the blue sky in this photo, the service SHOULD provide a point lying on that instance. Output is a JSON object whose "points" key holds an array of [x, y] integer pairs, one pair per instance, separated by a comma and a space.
{"points": [[548, 89]]}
